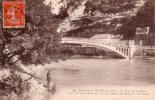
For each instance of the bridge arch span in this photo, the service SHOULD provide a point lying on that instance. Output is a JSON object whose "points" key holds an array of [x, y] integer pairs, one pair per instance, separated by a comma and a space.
{"points": [[120, 50]]}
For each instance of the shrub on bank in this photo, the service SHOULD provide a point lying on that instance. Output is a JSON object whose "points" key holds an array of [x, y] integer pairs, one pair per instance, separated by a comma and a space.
{"points": [[17, 86]]}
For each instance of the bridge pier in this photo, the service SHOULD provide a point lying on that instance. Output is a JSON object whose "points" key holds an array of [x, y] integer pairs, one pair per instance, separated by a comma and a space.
{"points": [[132, 49]]}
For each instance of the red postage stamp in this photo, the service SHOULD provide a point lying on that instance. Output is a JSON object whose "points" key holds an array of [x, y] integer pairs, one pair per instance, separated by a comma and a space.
{"points": [[13, 14]]}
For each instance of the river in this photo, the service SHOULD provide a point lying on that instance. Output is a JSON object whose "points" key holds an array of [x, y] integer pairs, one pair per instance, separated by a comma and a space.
{"points": [[75, 73]]}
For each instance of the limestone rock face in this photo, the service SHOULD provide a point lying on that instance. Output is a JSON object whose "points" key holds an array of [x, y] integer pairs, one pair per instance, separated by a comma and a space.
{"points": [[77, 10]]}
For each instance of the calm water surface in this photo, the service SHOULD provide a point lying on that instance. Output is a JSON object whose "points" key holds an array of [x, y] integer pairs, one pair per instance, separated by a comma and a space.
{"points": [[104, 72]]}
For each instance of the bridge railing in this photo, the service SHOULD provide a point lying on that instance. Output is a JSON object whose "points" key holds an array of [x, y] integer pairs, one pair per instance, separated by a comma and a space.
{"points": [[121, 47], [118, 43]]}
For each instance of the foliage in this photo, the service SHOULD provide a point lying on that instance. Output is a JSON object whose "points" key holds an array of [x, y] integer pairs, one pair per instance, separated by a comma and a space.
{"points": [[38, 42], [145, 15], [15, 84], [109, 6]]}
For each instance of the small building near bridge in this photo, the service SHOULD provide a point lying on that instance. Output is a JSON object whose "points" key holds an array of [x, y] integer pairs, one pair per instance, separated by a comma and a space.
{"points": [[144, 36], [106, 38]]}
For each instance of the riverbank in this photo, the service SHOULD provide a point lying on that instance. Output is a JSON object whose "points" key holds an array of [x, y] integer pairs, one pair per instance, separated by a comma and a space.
{"points": [[145, 57], [94, 57], [20, 86], [110, 57]]}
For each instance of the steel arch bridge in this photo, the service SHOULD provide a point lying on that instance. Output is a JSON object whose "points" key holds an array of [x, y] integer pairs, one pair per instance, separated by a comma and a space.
{"points": [[125, 51]]}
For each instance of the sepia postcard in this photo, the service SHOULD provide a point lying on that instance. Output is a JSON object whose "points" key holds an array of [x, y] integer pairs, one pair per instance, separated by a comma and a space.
{"points": [[77, 50]]}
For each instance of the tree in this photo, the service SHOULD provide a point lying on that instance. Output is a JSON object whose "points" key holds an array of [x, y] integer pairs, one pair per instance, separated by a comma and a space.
{"points": [[37, 43]]}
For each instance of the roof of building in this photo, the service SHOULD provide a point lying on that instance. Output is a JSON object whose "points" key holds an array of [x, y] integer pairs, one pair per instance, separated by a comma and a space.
{"points": [[104, 36]]}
